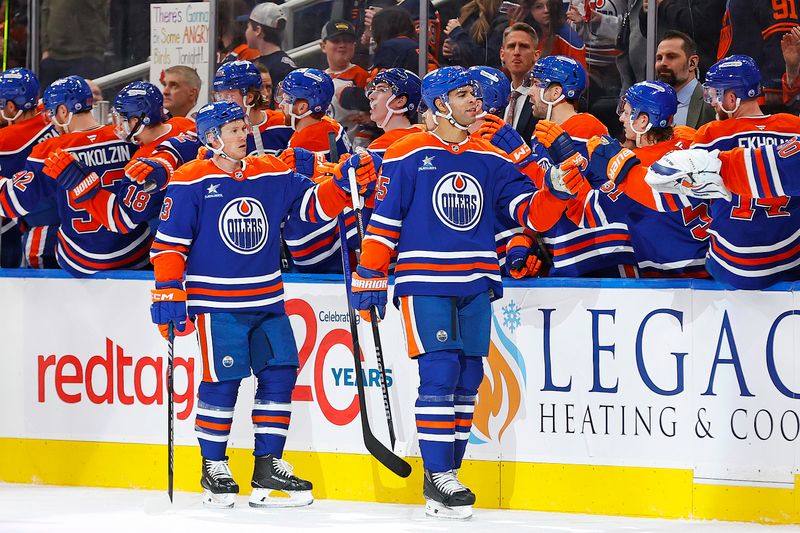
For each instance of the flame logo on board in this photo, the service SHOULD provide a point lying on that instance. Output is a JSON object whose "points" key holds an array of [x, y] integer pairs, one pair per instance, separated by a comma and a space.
{"points": [[500, 392]]}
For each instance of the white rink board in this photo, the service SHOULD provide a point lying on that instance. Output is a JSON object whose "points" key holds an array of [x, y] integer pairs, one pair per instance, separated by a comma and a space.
{"points": [[599, 376]]}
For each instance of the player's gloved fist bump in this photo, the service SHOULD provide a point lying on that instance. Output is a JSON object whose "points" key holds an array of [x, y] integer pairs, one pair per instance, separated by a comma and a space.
{"points": [[299, 159], [72, 175], [367, 166], [610, 161], [154, 174], [556, 178], [169, 305], [573, 178], [521, 257], [369, 288], [504, 137], [558, 143]]}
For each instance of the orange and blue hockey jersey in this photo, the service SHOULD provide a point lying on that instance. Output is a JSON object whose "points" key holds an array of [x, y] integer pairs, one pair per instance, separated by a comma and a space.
{"points": [[754, 243], [275, 134], [668, 232], [313, 247], [84, 245], [591, 238], [40, 227], [437, 204], [123, 209], [223, 231]]}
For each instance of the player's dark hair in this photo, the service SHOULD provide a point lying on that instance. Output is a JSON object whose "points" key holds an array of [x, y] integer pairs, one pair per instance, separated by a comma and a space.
{"points": [[659, 135]]}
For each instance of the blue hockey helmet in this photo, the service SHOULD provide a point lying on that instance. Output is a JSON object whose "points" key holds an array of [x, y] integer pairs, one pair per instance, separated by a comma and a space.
{"points": [[738, 73], [211, 117], [403, 83], [309, 84], [562, 70], [72, 92], [439, 83], [655, 98], [21, 86], [495, 88], [140, 100], [241, 75]]}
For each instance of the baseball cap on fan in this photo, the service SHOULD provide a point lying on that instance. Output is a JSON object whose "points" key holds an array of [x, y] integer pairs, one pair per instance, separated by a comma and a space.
{"points": [[335, 28], [266, 14]]}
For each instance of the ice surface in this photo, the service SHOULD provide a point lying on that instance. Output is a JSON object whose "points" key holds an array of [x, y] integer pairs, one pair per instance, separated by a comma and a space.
{"points": [[27, 508]]}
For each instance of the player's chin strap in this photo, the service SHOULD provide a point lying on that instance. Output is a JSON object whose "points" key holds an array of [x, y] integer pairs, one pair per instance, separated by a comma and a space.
{"points": [[448, 117], [134, 133], [549, 103], [10, 119], [735, 109], [221, 150], [294, 117], [390, 112], [639, 133], [65, 125]]}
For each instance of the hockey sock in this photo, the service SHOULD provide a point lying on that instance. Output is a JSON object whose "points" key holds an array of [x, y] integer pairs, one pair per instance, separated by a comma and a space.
{"points": [[272, 409], [466, 391], [434, 412], [215, 403]]}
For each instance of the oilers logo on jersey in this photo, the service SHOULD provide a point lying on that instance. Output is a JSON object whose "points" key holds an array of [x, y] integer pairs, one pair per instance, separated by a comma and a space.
{"points": [[243, 225], [458, 201]]}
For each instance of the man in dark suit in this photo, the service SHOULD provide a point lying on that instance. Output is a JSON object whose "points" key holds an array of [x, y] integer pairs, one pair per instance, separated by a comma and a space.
{"points": [[518, 55], [677, 64]]}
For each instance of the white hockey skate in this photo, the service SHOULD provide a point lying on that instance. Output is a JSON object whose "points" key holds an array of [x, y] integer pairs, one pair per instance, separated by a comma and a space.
{"points": [[275, 485], [446, 496], [217, 480]]}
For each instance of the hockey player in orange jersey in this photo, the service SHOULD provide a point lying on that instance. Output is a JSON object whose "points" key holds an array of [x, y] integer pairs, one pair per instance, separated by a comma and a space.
{"points": [[138, 117], [220, 233]]}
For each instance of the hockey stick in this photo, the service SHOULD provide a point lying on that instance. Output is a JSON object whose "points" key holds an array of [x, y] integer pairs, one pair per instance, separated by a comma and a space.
{"points": [[373, 445], [373, 313], [170, 410]]}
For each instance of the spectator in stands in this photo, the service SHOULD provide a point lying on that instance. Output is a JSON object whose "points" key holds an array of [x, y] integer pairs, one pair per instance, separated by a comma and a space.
{"points": [[338, 43], [264, 33], [632, 62], [395, 38], [599, 29], [677, 65], [231, 43], [700, 19], [556, 37], [755, 29], [518, 54], [181, 90], [74, 37], [790, 47], [267, 90], [475, 37]]}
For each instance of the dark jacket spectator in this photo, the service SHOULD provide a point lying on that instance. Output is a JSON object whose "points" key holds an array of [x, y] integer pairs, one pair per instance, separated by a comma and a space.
{"points": [[396, 39], [700, 19], [476, 36], [755, 28], [75, 34]]}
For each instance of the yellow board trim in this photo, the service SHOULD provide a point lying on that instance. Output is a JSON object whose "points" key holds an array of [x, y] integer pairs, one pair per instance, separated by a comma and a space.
{"points": [[608, 490]]}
